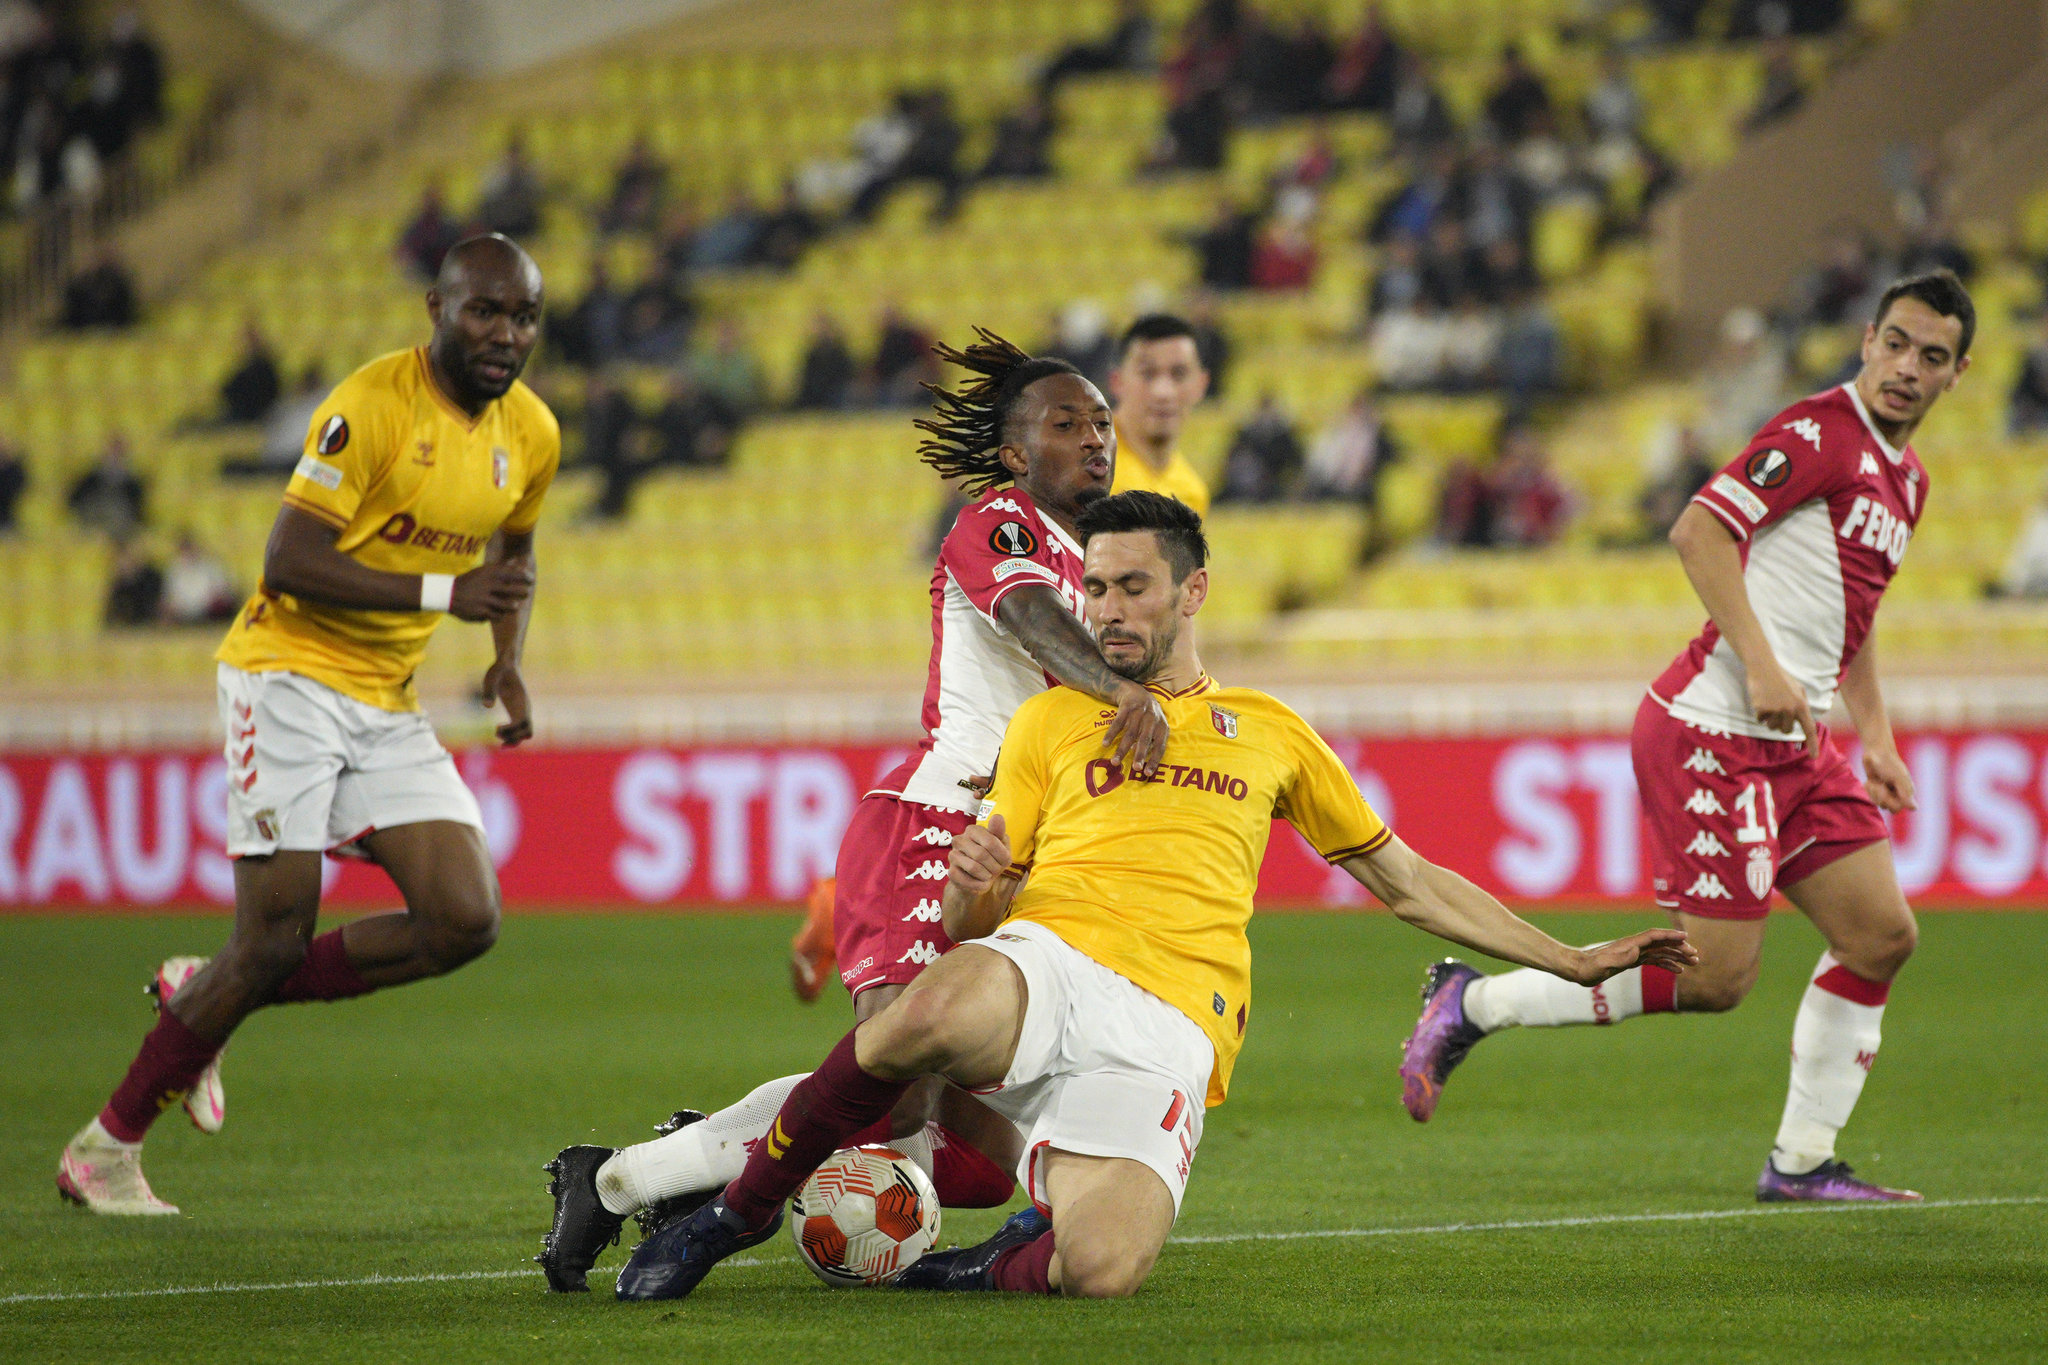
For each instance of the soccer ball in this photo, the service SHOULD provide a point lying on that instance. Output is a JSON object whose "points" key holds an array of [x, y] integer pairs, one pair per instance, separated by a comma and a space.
{"points": [[864, 1215]]}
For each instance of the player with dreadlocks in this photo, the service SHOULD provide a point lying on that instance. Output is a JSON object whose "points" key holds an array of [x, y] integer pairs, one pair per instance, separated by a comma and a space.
{"points": [[1030, 442]]}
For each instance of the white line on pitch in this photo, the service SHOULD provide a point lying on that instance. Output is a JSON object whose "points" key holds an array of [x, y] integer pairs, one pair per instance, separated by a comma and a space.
{"points": [[747, 1262]]}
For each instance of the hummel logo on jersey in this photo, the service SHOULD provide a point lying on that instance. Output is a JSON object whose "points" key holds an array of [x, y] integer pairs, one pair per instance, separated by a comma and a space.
{"points": [[1868, 464], [1808, 428], [932, 834], [925, 954], [929, 871], [1705, 845], [1708, 887], [1704, 802], [928, 912], [1703, 761]]}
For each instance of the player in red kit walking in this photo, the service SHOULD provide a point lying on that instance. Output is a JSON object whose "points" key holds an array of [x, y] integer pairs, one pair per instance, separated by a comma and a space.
{"points": [[1790, 547], [1031, 443]]}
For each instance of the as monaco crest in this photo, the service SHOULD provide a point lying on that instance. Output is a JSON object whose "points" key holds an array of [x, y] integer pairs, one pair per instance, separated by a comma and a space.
{"points": [[1224, 721], [501, 466], [1759, 872]]}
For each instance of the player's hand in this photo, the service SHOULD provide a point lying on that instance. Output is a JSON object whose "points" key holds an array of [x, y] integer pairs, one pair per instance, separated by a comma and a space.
{"points": [[981, 853], [1780, 704], [1137, 736], [1888, 780], [1666, 948], [492, 590], [503, 683]]}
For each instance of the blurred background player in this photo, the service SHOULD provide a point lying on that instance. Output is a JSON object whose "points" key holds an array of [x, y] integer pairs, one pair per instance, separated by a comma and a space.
{"points": [[1031, 443], [1790, 548], [417, 497], [1158, 380], [1107, 1015]]}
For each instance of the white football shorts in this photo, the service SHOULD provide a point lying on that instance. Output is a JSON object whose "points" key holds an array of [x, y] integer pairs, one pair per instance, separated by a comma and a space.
{"points": [[310, 768], [1103, 1067]]}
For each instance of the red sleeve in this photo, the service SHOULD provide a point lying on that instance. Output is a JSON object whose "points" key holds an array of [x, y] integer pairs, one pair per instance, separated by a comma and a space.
{"points": [[1793, 460], [993, 548]]}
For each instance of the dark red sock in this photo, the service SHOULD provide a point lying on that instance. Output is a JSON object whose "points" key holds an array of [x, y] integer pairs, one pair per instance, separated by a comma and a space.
{"points": [[168, 1065], [965, 1178], [1660, 990], [827, 1107], [1026, 1269], [324, 975]]}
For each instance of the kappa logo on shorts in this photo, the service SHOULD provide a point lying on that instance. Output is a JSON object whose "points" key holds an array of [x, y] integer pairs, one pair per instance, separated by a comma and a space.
{"points": [[846, 977], [927, 871], [1706, 845], [1707, 887], [932, 834], [925, 954], [1703, 761], [1760, 873], [333, 436], [928, 912], [1704, 802], [1012, 538]]}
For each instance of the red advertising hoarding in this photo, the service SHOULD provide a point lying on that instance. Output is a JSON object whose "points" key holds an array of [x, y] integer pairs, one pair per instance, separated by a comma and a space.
{"points": [[1532, 818]]}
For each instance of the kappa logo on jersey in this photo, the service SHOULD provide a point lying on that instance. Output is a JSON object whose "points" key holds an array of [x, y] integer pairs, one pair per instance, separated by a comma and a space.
{"points": [[925, 954], [928, 872], [926, 912], [1704, 802], [1807, 427], [1224, 721], [501, 466], [1707, 887], [1760, 873], [1868, 465], [333, 436], [1703, 761], [1880, 529], [1003, 505], [1768, 468], [1705, 845], [1013, 538], [932, 834]]}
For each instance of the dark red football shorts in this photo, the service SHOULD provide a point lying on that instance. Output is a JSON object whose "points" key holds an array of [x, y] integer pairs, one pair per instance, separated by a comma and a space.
{"points": [[892, 874], [1731, 817]]}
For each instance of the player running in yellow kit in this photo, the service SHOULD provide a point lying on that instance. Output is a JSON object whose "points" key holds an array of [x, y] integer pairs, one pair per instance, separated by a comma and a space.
{"points": [[417, 497]]}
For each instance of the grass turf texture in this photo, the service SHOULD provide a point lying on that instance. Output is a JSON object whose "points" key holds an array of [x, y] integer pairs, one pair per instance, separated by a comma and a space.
{"points": [[402, 1135]]}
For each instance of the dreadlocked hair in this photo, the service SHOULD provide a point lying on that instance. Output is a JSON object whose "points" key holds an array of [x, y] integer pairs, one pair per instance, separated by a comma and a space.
{"points": [[965, 432]]}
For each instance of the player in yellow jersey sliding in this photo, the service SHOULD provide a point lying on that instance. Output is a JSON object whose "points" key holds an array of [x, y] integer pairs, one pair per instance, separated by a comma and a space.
{"points": [[1102, 985], [417, 498]]}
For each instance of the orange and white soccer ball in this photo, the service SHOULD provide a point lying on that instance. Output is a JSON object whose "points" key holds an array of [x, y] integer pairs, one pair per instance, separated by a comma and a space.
{"points": [[864, 1215]]}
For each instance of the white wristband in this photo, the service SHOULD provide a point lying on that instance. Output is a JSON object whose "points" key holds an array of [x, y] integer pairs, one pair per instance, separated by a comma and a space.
{"points": [[437, 591]]}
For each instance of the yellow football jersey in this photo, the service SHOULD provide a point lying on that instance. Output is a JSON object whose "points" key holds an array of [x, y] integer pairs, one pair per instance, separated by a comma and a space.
{"points": [[1177, 480], [1154, 880], [414, 486]]}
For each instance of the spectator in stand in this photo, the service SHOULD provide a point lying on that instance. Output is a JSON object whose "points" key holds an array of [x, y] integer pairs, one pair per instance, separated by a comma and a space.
{"points": [[110, 496], [196, 588], [1285, 254], [1081, 337], [637, 190], [1496, 204], [13, 483], [1613, 107], [1529, 360], [251, 390], [1211, 344], [1279, 71], [1362, 76], [932, 155], [1745, 380], [829, 370], [608, 444], [1021, 148], [139, 67], [787, 231], [136, 590], [1530, 506], [1845, 282], [656, 320], [1347, 457], [1679, 472], [1197, 78], [1419, 117], [1225, 247], [2027, 407], [101, 297], [1264, 457], [676, 244], [1516, 96], [1430, 192], [727, 370], [2026, 570], [903, 362], [1399, 282], [428, 236], [1318, 162], [1931, 246], [695, 427], [284, 435], [1471, 346], [512, 195], [1464, 510], [728, 241], [592, 333], [1783, 91], [1452, 271], [1407, 345], [1130, 46]]}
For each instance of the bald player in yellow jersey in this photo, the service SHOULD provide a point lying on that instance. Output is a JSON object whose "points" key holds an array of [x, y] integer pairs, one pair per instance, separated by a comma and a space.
{"points": [[1102, 985], [417, 498], [1158, 380]]}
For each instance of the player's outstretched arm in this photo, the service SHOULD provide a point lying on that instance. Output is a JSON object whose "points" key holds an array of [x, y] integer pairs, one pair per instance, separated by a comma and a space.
{"points": [[1055, 637], [301, 559], [502, 680], [1441, 902], [978, 882], [1713, 562], [1886, 777]]}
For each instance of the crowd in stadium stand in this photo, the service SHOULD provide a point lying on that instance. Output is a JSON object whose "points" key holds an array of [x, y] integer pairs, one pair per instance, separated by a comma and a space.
{"points": [[71, 100]]}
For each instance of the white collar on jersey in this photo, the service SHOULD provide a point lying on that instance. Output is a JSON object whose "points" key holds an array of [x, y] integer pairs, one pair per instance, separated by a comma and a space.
{"points": [[1045, 519], [1882, 444]]}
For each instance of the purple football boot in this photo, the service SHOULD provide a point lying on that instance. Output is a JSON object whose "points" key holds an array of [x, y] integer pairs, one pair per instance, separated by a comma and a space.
{"points": [[1442, 1037], [1830, 1182]]}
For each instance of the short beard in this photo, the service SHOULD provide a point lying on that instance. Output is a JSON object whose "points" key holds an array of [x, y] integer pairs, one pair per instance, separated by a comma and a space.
{"points": [[1155, 657]]}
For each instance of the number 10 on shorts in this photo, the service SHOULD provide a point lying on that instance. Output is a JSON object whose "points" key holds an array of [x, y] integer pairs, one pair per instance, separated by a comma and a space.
{"points": [[1749, 831]]}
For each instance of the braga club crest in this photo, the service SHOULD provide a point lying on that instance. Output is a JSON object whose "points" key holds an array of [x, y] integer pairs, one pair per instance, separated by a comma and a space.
{"points": [[1224, 721]]}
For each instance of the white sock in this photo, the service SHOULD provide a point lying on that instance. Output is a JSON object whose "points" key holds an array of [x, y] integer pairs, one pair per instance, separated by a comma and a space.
{"points": [[1540, 1000], [1834, 1041], [918, 1146], [706, 1155], [96, 1135]]}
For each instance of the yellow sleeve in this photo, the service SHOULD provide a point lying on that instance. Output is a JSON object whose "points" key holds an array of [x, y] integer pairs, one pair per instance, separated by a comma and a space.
{"points": [[1020, 781], [1323, 801], [547, 458], [349, 444]]}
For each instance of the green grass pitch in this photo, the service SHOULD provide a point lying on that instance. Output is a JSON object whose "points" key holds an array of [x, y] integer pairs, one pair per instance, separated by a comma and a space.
{"points": [[401, 1136]]}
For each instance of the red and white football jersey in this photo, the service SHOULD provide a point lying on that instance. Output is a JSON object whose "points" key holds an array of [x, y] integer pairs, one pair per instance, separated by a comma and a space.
{"points": [[979, 672], [1823, 507]]}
